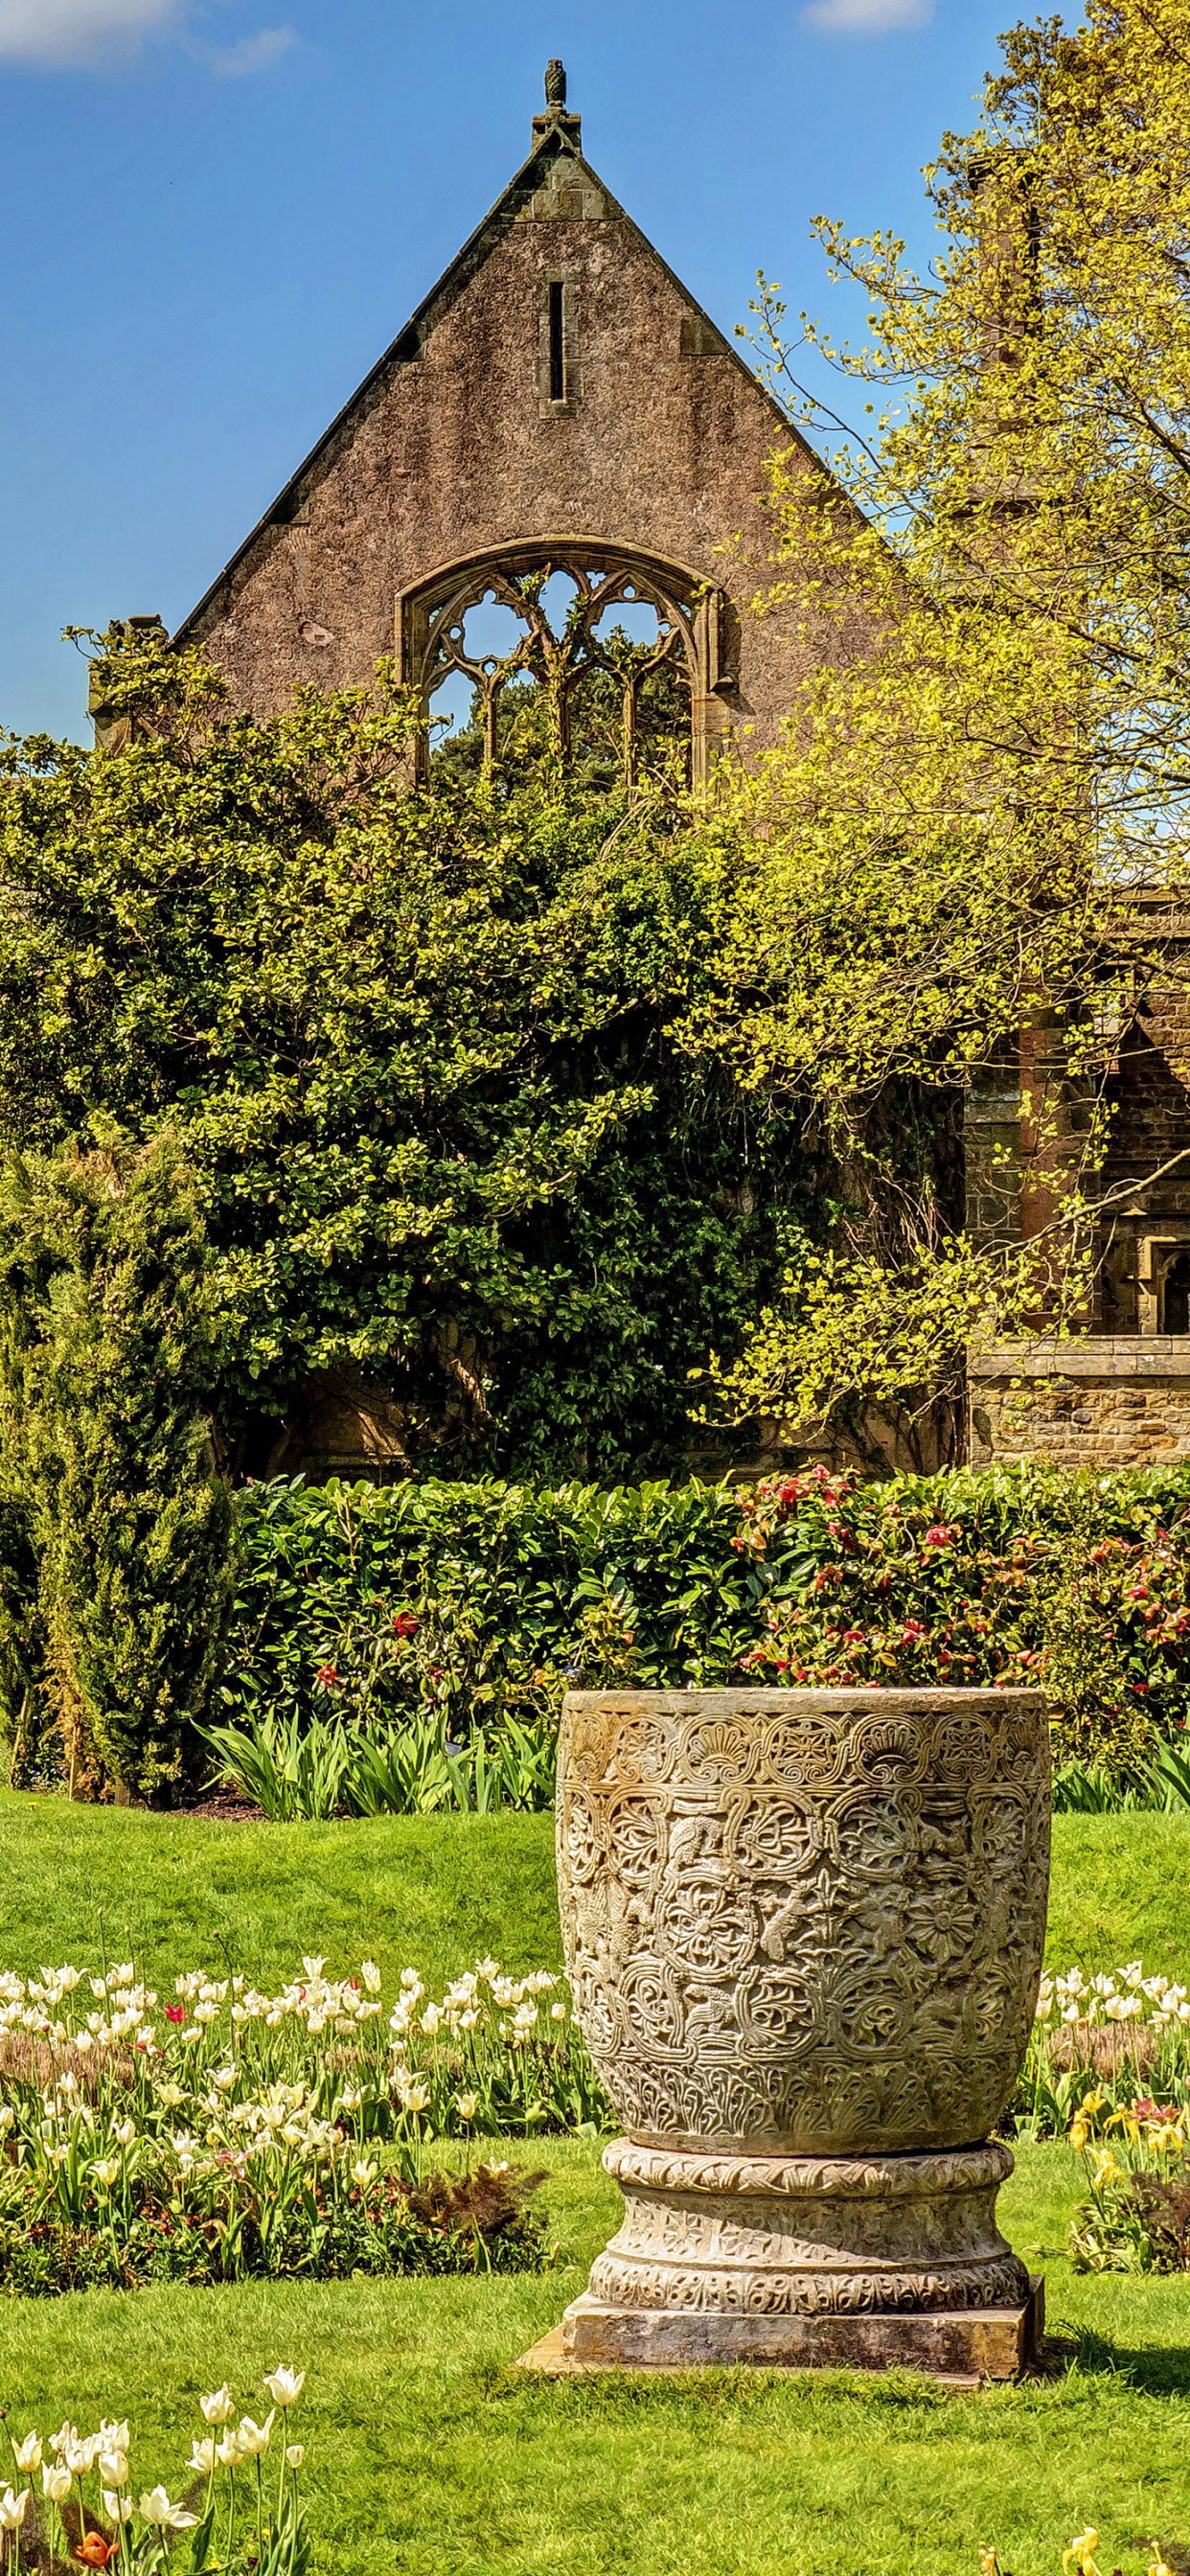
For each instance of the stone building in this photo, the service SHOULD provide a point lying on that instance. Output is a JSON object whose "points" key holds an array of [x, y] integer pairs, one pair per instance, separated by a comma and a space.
{"points": [[1116, 1394], [559, 403], [561, 407]]}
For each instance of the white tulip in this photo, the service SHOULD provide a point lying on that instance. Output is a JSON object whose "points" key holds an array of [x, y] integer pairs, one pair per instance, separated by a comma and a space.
{"points": [[13, 2509], [255, 2438], [56, 2484], [295, 2453], [161, 2515], [202, 2457], [28, 2456], [113, 2465], [218, 2408], [118, 2508]]}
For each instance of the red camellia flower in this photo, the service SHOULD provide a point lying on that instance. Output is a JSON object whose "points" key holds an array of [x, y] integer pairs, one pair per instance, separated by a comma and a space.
{"points": [[405, 1625], [939, 1536], [175, 2012], [327, 1676]]}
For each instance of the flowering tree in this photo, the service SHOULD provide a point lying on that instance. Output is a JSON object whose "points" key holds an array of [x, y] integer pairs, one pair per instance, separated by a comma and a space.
{"points": [[961, 821]]}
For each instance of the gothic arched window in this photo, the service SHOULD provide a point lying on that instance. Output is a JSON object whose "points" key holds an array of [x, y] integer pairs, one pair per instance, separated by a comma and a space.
{"points": [[1175, 1295], [589, 651]]}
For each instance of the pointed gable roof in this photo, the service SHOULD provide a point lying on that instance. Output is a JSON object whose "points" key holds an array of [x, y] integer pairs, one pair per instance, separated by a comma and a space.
{"points": [[556, 181]]}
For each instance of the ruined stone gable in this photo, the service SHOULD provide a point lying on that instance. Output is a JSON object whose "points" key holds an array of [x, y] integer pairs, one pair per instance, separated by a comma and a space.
{"points": [[558, 398]]}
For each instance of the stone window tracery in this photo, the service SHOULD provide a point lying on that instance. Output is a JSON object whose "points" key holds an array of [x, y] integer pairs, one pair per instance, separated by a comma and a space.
{"points": [[572, 614], [1175, 1295]]}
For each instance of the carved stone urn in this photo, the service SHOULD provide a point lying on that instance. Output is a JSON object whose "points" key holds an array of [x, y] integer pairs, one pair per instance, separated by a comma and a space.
{"points": [[804, 1933]]}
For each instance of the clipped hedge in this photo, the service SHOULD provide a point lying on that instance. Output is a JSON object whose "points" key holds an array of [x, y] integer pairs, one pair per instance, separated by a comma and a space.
{"points": [[484, 1598]]}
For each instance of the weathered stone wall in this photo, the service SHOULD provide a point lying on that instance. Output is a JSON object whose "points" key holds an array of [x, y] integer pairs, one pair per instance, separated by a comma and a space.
{"points": [[1110, 1400], [453, 448]]}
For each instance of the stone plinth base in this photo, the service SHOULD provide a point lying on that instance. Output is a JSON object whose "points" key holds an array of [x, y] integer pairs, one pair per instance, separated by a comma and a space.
{"points": [[806, 2262], [960, 2347]]}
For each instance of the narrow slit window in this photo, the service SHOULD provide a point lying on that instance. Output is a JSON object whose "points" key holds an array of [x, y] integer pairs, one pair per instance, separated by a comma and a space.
{"points": [[557, 346]]}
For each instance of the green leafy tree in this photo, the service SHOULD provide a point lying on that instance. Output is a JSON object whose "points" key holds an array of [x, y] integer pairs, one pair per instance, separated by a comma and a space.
{"points": [[418, 1049]]}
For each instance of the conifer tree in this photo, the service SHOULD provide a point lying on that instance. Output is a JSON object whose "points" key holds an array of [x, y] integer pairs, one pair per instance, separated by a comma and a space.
{"points": [[105, 1366]]}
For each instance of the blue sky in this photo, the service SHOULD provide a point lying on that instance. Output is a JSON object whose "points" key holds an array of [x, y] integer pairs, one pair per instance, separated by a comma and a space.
{"points": [[217, 213]]}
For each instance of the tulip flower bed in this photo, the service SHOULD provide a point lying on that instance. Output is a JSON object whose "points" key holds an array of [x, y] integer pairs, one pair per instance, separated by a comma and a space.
{"points": [[1136, 2217], [74, 2500], [1108, 2038], [231, 2133]]}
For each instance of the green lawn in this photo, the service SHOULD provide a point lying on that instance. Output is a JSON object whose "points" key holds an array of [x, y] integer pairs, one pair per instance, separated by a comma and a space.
{"points": [[427, 2452], [184, 1892]]}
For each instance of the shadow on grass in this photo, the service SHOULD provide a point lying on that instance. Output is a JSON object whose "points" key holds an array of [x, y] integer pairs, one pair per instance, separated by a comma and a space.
{"points": [[1157, 2370]]}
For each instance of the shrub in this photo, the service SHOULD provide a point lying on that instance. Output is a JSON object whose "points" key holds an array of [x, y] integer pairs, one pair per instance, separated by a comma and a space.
{"points": [[116, 1577], [473, 1605], [1079, 1585], [478, 1601]]}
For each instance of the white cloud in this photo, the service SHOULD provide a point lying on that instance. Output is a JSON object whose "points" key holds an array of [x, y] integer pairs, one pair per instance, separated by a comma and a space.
{"points": [[76, 31], [57, 35], [252, 54], [867, 17]]}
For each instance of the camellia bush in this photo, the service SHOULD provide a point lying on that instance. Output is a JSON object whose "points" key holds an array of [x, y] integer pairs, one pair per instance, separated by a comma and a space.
{"points": [[1081, 1586]]}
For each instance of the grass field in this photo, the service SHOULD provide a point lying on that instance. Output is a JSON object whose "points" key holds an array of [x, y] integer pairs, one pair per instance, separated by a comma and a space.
{"points": [[186, 1891], [427, 2452]]}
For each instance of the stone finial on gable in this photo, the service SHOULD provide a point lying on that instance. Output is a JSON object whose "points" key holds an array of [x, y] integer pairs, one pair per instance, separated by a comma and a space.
{"points": [[556, 120]]}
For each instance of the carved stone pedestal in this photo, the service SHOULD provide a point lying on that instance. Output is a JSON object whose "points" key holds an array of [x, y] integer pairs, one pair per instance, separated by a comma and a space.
{"points": [[800, 2262], [803, 1931]]}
